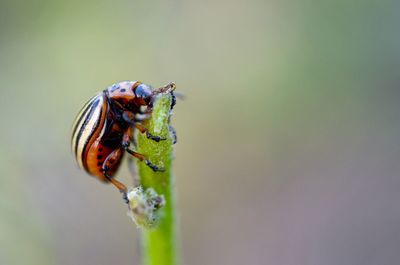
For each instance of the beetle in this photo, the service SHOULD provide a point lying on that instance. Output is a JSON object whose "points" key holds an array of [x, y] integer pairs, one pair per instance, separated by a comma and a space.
{"points": [[103, 129]]}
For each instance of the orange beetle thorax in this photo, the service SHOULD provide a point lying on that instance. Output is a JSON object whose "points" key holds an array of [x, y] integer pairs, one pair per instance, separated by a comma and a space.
{"points": [[123, 92], [130, 95], [124, 95]]}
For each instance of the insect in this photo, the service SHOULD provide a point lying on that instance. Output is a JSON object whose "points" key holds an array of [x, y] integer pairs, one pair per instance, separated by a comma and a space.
{"points": [[103, 129]]}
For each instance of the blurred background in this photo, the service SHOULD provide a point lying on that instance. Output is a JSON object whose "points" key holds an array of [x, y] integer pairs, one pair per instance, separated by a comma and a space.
{"points": [[288, 149]]}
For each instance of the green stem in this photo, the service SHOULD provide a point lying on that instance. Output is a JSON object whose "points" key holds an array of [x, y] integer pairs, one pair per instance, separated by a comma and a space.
{"points": [[159, 243]]}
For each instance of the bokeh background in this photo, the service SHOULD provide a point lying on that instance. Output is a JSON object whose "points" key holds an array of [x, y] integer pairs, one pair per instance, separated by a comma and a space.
{"points": [[288, 150]]}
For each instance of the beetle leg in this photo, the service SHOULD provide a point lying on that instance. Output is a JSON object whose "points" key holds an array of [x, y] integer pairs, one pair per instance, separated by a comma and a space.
{"points": [[142, 117], [173, 100], [145, 160], [143, 129], [125, 145], [127, 137], [173, 132], [122, 188], [107, 164], [130, 118], [126, 140]]}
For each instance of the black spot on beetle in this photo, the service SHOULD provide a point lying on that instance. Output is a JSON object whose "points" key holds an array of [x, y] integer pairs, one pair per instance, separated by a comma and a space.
{"points": [[99, 164], [99, 157], [101, 149], [123, 90]]}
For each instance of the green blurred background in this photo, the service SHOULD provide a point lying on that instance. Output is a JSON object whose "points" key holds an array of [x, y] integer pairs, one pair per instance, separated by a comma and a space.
{"points": [[288, 148]]}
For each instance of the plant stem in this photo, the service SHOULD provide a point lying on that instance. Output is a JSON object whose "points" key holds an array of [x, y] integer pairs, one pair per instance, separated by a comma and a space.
{"points": [[159, 243]]}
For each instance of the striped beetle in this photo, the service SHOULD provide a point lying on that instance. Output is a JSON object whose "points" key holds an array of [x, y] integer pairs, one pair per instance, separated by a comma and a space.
{"points": [[103, 129]]}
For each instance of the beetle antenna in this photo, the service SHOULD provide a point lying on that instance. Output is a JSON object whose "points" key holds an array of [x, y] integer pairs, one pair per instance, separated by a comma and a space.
{"points": [[180, 95]]}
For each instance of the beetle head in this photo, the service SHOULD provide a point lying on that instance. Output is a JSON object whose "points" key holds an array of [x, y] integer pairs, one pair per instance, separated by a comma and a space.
{"points": [[133, 95], [130, 95], [143, 94]]}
